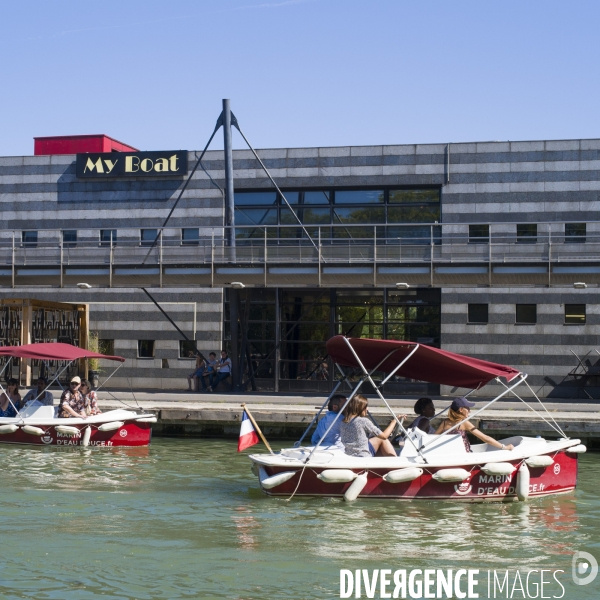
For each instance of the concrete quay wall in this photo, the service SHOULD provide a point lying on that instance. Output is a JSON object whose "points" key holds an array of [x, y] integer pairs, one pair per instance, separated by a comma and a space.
{"points": [[281, 419]]}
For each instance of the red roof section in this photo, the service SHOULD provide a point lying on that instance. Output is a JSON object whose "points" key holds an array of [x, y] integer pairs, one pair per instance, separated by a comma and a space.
{"points": [[426, 364], [78, 144], [53, 351]]}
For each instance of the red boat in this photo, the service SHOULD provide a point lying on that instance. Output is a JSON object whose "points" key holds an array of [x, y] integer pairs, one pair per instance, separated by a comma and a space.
{"points": [[40, 425], [428, 467]]}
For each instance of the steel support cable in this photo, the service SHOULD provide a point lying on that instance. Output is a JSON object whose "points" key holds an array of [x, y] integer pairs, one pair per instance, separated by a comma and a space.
{"points": [[185, 337], [558, 428], [198, 163], [235, 123]]}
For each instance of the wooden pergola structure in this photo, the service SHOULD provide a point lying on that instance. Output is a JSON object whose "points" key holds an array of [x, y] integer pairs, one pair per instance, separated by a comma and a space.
{"points": [[67, 323]]}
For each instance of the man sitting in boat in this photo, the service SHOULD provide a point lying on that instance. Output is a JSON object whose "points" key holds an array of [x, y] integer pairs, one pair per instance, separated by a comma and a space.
{"points": [[459, 410], [38, 393], [72, 403], [333, 437], [426, 411], [360, 436]]}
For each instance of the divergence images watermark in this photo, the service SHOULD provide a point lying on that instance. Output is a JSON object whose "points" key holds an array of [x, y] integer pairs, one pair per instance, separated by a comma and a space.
{"points": [[465, 583]]}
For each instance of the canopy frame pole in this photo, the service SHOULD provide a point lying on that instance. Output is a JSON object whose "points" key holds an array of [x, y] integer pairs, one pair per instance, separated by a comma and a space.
{"points": [[508, 389], [57, 376], [104, 382], [402, 428], [352, 394], [297, 444]]}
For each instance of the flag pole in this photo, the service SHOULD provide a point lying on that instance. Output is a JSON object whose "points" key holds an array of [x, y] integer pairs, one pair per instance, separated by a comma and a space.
{"points": [[260, 433]]}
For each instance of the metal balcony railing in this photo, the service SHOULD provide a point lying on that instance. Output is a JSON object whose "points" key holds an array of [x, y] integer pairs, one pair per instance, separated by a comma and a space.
{"points": [[373, 246]]}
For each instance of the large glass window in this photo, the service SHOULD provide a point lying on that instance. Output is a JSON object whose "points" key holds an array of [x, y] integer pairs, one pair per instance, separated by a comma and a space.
{"points": [[350, 212], [190, 236], [308, 318]]}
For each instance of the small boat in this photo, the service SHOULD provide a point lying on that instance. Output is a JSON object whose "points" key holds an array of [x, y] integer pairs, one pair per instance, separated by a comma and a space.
{"points": [[428, 467], [38, 424]]}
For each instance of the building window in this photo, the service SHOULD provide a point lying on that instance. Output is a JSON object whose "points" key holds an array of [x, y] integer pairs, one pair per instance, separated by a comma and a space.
{"points": [[479, 234], [398, 215], [190, 236], [69, 237], [186, 349], [106, 347], [145, 348], [526, 314], [574, 314], [575, 233], [478, 313], [106, 235], [148, 236], [527, 233], [29, 238]]}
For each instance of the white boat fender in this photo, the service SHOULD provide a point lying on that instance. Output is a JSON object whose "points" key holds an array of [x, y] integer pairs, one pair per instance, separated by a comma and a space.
{"points": [[522, 486], [356, 487], [274, 480], [254, 469], [337, 475], [579, 449], [31, 430], [67, 430], [535, 462], [111, 426], [451, 475], [11, 428], [87, 434], [402, 475], [499, 468], [147, 420]]}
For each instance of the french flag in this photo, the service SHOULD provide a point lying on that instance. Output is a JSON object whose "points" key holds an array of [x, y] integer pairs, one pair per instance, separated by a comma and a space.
{"points": [[248, 435]]}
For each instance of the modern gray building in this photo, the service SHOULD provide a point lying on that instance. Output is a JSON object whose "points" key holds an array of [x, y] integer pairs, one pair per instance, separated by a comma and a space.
{"points": [[487, 249]]}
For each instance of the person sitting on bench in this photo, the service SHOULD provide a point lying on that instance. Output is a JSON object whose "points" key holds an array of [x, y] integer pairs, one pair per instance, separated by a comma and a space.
{"points": [[224, 371]]}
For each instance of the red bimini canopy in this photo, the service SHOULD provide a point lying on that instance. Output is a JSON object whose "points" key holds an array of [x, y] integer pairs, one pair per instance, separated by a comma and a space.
{"points": [[53, 351], [426, 364]]}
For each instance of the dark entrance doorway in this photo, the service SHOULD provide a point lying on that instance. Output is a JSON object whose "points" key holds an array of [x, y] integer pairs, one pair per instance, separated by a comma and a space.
{"points": [[288, 329]]}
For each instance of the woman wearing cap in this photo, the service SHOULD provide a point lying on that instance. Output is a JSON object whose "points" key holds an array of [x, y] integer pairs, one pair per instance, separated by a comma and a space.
{"points": [[72, 402], [459, 411]]}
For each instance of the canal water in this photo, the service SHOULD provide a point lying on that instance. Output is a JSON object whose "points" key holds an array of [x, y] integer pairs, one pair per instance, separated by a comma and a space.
{"points": [[185, 519]]}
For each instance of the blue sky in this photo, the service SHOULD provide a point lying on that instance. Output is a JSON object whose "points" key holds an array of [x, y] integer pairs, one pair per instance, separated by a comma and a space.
{"points": [[299, 72]]}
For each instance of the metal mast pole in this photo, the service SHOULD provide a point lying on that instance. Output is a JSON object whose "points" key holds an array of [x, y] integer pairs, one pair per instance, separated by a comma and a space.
{"points": [[229, 211], [230, 240]]}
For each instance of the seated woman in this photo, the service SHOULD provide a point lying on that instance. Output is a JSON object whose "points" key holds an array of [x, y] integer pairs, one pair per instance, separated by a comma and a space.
{"points": [[10, 401], [425, 409], [90, 398], [360, 436], [71, 402], [459, 410]]}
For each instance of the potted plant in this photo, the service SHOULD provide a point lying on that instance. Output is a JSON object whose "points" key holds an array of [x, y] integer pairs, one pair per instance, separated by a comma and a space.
{"points": [[93, 363]]}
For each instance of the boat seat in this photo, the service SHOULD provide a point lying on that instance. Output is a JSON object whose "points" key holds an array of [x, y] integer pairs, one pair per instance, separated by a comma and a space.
{"points": [[437, 445]]}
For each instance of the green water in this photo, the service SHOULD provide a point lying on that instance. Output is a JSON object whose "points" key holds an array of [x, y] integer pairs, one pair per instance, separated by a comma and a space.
{"points": [[185, 519]]}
